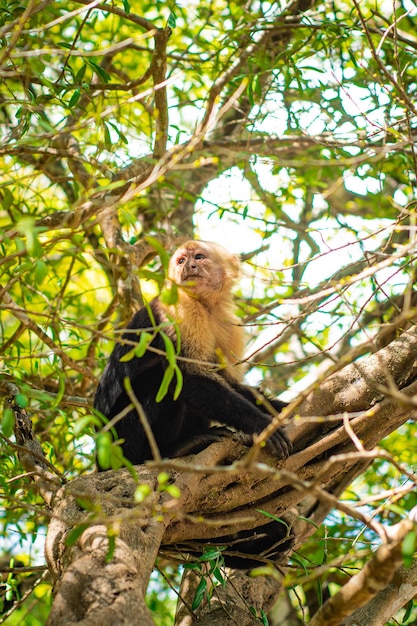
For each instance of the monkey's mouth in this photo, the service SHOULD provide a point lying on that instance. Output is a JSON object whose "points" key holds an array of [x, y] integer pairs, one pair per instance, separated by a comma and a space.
{"points": [[186, 278]]}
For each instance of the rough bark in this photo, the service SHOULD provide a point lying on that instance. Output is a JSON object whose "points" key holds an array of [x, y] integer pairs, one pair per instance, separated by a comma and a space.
{"points": [[388, 601], [94, 590], [240, 601]]}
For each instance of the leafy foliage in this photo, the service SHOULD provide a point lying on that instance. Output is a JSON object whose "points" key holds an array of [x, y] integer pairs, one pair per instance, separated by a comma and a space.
{"points": [[283, 130]]}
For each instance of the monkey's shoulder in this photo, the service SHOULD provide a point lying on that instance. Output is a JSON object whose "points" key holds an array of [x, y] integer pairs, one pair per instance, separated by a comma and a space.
{"points": [[146, 320], [147, 317]]}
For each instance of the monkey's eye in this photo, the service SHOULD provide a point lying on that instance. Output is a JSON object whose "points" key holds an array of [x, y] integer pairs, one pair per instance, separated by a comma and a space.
{"points": [[199, 256], [181, 260]]}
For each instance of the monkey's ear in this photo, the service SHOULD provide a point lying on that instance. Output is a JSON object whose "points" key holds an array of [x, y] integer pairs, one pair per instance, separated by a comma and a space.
{"points": [[234, 263]]}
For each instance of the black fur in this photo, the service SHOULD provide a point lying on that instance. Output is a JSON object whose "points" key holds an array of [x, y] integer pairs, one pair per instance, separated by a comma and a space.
{"points": [[202, 400], [249, 548]]}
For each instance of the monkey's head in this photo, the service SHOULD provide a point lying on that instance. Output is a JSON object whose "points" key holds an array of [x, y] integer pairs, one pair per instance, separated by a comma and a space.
{"points": [[204, 269]]}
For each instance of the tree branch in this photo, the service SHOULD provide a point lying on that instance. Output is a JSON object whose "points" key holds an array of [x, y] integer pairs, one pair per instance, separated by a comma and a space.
{"points": [[375, 576], [389, 600]]}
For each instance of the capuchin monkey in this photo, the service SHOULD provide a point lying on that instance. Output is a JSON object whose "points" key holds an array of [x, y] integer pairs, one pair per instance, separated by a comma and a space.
{"points": [[211, 343], [203, 327]]}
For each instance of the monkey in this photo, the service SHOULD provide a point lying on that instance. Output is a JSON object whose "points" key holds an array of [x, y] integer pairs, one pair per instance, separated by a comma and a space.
{"points": [[209, 339]]}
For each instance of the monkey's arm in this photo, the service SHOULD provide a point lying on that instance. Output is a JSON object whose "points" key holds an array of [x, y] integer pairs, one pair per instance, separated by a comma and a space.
{"points": [[255, 396], [215, 401]]}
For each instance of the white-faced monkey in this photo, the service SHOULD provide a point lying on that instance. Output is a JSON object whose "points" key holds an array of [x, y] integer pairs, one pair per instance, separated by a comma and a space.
{"points": [[212, 343], [211, 351]]}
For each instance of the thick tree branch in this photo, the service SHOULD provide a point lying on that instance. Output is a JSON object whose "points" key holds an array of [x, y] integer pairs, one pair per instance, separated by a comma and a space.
{"points": [[106, 584], [386, 603]]}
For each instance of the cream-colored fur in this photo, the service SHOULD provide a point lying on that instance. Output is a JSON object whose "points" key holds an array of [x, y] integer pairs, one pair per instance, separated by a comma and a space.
{"points": [[211, 334]]}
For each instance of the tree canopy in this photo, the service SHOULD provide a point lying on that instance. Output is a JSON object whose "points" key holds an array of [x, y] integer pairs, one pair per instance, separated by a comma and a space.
{"points": [[284, 131]]}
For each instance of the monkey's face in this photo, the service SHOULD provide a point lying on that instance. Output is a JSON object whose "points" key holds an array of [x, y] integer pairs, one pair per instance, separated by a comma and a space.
{"points": [[203, 268]]}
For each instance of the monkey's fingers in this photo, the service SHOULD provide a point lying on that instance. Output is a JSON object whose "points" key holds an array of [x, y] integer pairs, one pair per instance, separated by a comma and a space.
{"points": [[280, 444]]}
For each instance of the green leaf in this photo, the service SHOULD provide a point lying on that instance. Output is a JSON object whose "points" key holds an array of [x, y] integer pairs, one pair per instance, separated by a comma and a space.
{"points": [[21, 400], [194, 566], [143, 344], [75, 534], [274, 517], [265, 570], [256, 84], [74, 98], [172, 20], [107, 137], [173, 491], [7, 198], [409, 547], [163, 254], [117, 460], [199, 594], [7, 422], [264, 618], [79, 77], [85, 422], [211, 554], [103, 447], [408, 610], [250, 93], [112, 545], [102, 74], [163, 478], [61, 390], [217, 573], [46, 125], [85, 504], [180, 381], [308, 521], [158, 277], [26, 227], [128, 356], [170, 295], [166, 381], [41, 272], [169, 349], [118, 131], [141, 493]]}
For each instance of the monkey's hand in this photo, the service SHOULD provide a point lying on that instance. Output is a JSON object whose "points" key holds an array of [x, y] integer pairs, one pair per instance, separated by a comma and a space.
{"points": [[279, 444]]}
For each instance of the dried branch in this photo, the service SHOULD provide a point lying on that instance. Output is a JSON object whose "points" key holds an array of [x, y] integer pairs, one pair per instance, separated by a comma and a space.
{"points": [[159, 69]]}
